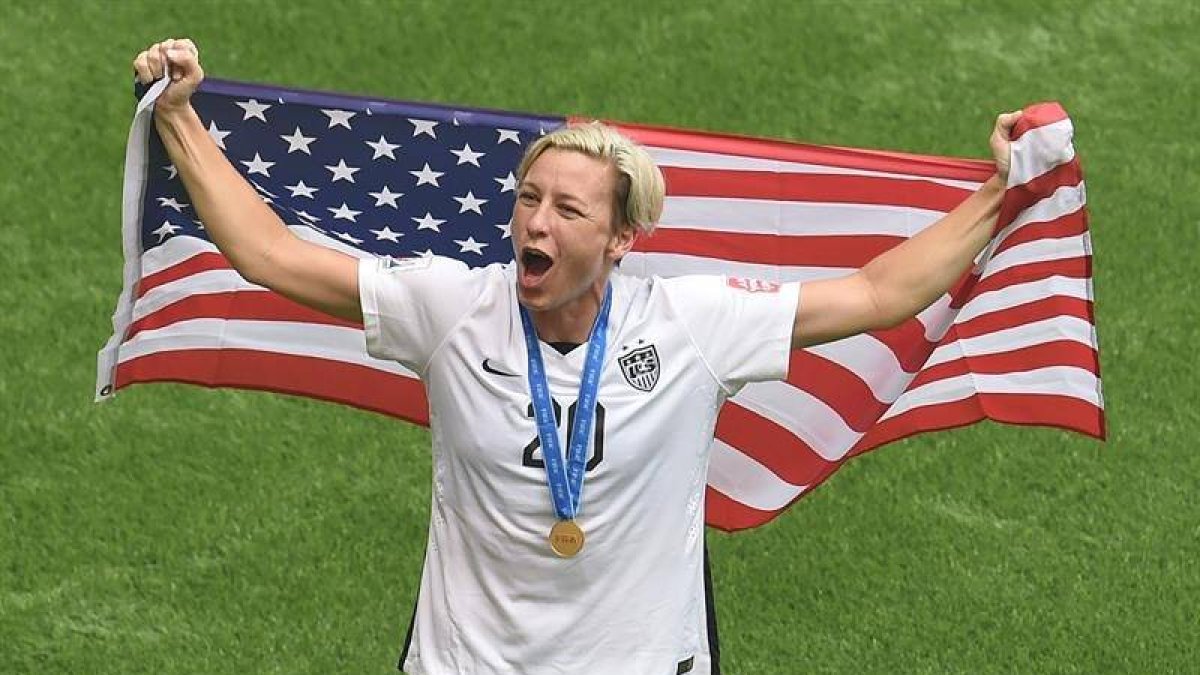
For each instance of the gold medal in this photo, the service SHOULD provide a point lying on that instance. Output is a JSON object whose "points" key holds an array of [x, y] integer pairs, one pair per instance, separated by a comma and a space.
{"points": [[566, 539]]}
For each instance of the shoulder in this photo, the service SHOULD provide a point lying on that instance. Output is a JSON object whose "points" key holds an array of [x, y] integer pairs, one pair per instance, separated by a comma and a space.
{"points": [[428, 273]]}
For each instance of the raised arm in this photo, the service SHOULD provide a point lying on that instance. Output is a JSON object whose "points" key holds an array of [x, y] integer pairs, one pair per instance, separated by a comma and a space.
{"points": [[901, 282], [247, 231]]}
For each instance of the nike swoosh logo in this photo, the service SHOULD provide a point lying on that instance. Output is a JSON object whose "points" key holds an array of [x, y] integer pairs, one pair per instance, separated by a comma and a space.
{"points": [[487, 367]]}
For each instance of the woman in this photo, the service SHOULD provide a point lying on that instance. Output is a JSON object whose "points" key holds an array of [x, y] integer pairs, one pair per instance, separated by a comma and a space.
{"points": [[523, 574]]}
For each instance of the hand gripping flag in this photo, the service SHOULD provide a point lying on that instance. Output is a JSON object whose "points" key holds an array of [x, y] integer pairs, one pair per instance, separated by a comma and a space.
{"points": [[1014, 341]]}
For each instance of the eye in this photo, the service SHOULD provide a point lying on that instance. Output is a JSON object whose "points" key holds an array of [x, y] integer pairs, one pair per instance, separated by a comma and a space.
{"points": [[527, 197], [569, 211]]}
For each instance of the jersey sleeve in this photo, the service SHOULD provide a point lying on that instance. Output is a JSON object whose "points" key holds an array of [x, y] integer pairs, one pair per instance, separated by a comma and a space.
{"points": [[741, 327], [410, 305]]}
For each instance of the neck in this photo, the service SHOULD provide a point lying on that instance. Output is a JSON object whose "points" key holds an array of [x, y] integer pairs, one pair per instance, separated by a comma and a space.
{"points": [[572, 322]]}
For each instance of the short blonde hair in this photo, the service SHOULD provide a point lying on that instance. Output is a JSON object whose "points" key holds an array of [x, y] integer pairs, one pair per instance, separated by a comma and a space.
{"points": [[640, 186]]}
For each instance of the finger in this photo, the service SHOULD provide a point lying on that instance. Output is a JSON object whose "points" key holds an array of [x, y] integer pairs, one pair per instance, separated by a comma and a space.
{"points": [[164, 60], [183, 62], [1006, 121], [189, 45], [142, 68], [154, 61]]}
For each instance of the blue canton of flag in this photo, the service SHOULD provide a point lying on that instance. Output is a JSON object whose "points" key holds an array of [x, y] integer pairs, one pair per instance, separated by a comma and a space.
{"points": [[391, 178]]}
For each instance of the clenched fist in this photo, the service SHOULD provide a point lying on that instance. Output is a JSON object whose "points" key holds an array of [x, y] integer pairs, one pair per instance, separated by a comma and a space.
{"points": [[182, 59], [1001, 142]]}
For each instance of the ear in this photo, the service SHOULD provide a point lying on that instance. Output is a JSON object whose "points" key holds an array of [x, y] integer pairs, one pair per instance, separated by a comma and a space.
{"points": [[622, 242]]}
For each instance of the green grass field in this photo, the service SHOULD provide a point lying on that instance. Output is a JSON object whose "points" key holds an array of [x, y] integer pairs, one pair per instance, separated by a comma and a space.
{"points": [[182, 530]]}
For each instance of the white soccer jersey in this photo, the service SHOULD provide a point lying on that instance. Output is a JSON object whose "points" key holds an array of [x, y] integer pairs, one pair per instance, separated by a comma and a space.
{"points": [[494, 598]]}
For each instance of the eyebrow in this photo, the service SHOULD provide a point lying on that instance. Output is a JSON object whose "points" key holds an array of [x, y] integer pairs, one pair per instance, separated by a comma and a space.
{"points": [[579, 201]]}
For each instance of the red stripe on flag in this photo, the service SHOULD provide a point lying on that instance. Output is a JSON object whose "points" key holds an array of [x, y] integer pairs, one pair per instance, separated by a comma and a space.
{"points": [[201, 262], [837, 387], [850, 251], [769, 444], [1038, 310], [1038, 115], [235, 305], [907, 341], [1066, 412], [1076, 268], [729, 515], [324, 379], [1071, 225], [812, 187], [1020, 197], [1048, 354]]}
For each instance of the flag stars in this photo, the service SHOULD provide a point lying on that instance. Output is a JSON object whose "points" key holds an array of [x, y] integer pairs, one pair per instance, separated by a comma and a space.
{"points": [[424, 127], [427, 176], [469, 244], [507, 183], [338, 118], [428, 222], [386, 234], [165, 231], [508, 135], [344, 212], [298, 142], [342, 172], [301, 190], [172, 172], [259, 166], [470, 202], [310, 218], [466, 155], [171, 202], [505, 230], [382, 148], [253, 108], [217, 134], [386, 196]]}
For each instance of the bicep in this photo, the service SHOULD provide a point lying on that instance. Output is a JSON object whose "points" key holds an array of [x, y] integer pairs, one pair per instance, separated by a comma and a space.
{"points": [[832, 309], [315, 276]]}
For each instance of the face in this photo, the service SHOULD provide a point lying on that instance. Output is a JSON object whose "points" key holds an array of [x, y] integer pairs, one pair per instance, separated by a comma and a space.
{"points": [[564, 230]]}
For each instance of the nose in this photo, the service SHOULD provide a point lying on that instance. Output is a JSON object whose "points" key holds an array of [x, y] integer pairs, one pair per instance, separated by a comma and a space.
{"points": [[539, 221]]}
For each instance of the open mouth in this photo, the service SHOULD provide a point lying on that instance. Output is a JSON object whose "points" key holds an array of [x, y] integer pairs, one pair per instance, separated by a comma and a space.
{"points": [[534, 265]]}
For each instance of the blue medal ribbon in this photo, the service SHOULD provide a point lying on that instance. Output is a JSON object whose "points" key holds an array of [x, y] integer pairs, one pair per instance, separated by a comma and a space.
{"points": [[566, 483]]}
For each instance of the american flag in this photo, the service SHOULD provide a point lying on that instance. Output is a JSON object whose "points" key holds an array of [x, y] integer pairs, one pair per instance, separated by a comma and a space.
{"points": [[1014, 341]]}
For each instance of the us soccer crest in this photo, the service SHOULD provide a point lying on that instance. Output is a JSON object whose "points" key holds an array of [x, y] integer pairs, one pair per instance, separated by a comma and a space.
{"points": [[640, 367]]}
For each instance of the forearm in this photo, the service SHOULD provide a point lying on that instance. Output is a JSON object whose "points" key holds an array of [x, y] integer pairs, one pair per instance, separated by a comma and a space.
{"points": [[910, 277], [235, 217]]}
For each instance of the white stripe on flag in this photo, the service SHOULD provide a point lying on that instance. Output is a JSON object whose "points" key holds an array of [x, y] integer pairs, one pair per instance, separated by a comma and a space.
{"points": [[801, 413], [695, 159], [1041, 250], [1016, 295], [1055, 380], [1039, 151], [763, 216], [744, 480], [336, 343], [1018, 337]]}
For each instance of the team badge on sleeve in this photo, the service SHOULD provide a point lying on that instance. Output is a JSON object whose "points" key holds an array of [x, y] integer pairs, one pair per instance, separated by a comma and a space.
{"points": [[640, 367], [754, 285]]}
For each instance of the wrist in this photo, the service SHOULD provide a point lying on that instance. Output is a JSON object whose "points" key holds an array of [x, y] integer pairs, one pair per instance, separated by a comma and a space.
{"points": [[175, 114]]}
